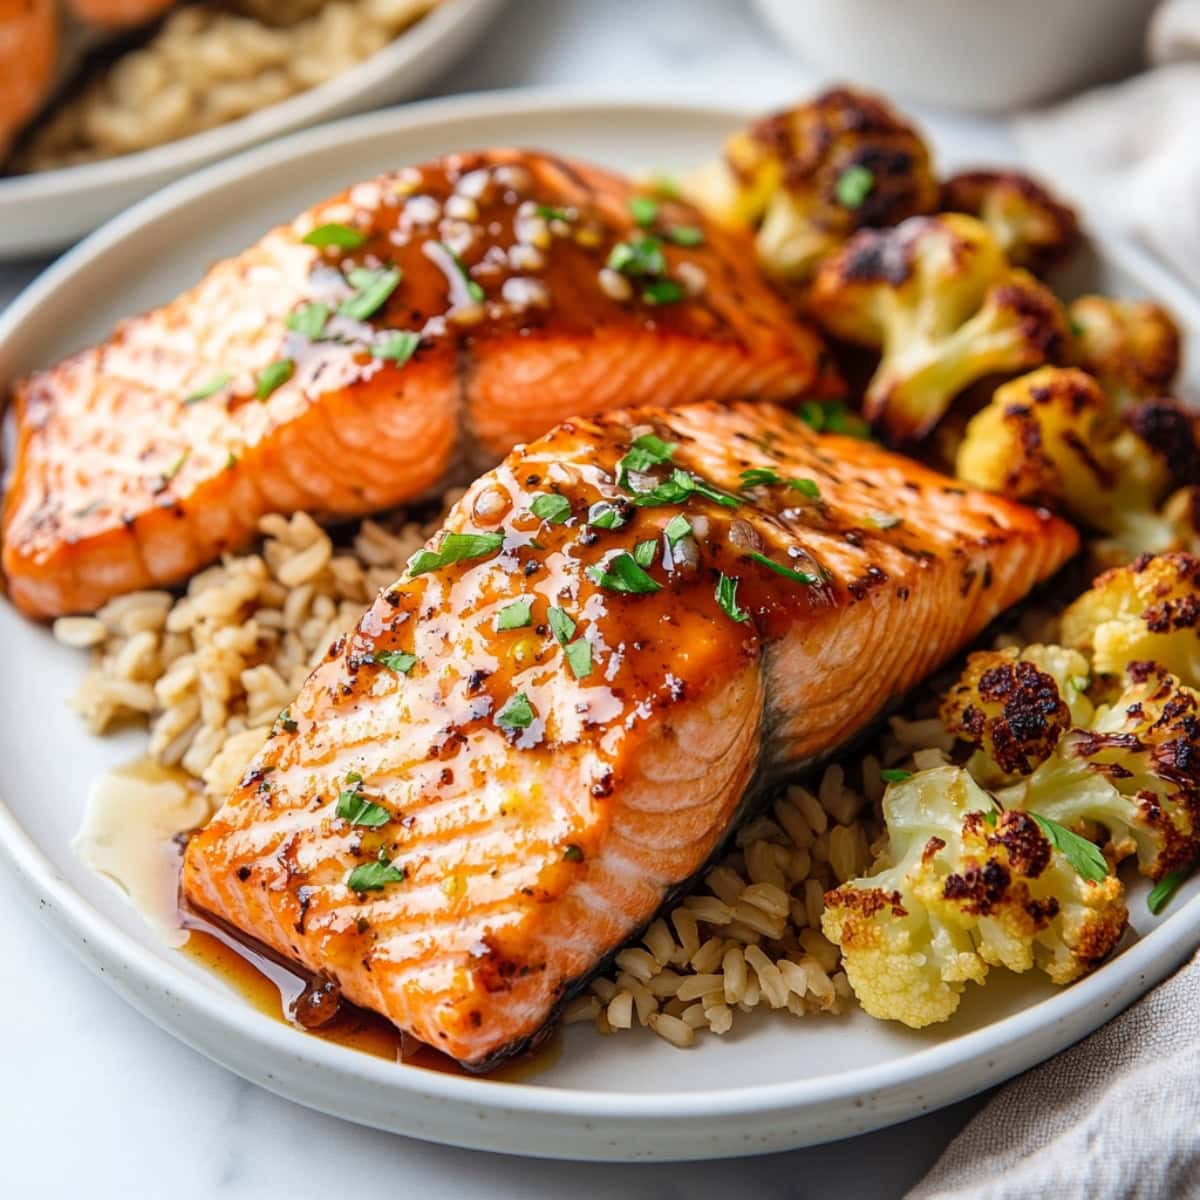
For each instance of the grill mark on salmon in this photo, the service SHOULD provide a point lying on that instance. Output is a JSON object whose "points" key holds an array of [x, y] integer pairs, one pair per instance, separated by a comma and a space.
{"points": [[532, 849], [125, 477]]}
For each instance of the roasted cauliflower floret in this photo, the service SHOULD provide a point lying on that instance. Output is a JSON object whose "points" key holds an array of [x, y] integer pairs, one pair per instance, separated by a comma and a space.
{"points": [[808, 177], [1131, 346], [1052, 437], [963, 886], [1134, 771], [1012, 706], [1148, 611], [935, 295], [1032, 227]]}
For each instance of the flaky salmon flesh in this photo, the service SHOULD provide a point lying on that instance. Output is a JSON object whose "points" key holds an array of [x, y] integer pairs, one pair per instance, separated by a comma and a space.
{"points": [[626, 631], [413, 327]]}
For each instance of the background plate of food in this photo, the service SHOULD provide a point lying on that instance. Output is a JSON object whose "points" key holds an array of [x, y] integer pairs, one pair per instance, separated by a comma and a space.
{"points": [[733, 1026], [101, 114]]}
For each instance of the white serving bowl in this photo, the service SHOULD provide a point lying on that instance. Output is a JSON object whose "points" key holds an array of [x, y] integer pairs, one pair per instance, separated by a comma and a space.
{"points": [[981, 55]]}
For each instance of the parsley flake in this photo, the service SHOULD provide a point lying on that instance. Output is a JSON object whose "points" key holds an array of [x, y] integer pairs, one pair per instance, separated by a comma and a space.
{"points": [[399, 661], [549, 212], [894, 775], [473, 288], [854, 185], [579, 658], [561, 625], [662, 291], [354, 807], [375, 876], [644, 210], [287, 722], [622, 574], [678, 527], [727, 598], [1086, 857], [516, 615], [1162, 892], [175, 467], [686, 235], [759, 477], [806, 487], [396, 345], [517, 713], [642, 257], [551, 508], [787, 572], [273, 375], [218, 383], [603, 515], [454, 548], [373, 288], [334, 234], [644, 553], [679, 487], [308, 320]]}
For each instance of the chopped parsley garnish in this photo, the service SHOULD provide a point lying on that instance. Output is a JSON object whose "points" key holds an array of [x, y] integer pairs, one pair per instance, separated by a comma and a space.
{"points": [[454, 548], [551, 507], [174, 468], [1086, 857], [354, 807], [1077, 330], [396, 345], [894, 775], [854, 185], [603, 515], [1079, 683], [678, 527], [622, 574], [665, 186], [230, 461], [517, 713], [644, 553], [309, 320], [561, 625], [883, 520], [644, 210], [579, 658], [759, 476], [662, 291], [399, 661], [287, 722], [473, 288], [833, 418], [273, 375], [645, 452], [1161, 893], [549, 212], [686, 235], [787, 572], [641, 257], [374, 876], [334, 234], [516, 615], [218, 383], [806, 487], [727, 598], [679, 487], [572, 853], [373, 288]]}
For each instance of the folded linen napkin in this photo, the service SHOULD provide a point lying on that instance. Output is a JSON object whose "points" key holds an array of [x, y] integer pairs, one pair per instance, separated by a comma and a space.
{"points": [[1117, 1115]]}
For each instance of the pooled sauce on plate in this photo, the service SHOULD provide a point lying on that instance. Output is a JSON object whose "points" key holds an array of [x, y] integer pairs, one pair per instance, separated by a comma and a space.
{"points": [[275, 990]]}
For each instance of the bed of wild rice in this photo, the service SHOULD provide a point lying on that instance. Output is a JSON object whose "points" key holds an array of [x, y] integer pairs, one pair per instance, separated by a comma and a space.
{"points": [[209, 670], [209, 64]]}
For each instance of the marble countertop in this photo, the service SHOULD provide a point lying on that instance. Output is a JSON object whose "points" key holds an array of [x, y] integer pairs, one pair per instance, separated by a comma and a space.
{"points": [[98, 1099]]}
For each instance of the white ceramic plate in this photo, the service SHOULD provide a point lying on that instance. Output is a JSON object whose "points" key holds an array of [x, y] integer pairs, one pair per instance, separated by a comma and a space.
{"points": [[776, 1082], [48, 210]]}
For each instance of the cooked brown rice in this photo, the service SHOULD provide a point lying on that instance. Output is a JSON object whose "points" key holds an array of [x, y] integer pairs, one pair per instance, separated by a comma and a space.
{"points": [[205, 67], [208, 671]]}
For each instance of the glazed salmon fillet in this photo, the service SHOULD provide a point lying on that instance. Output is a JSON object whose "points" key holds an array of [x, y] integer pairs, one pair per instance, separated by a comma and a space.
{"points": [[625, 633], [445, 313]]}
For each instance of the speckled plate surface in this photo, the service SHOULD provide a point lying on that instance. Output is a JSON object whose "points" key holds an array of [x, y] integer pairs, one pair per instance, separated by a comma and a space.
{"points": [[773, 1083], [51, 209]]}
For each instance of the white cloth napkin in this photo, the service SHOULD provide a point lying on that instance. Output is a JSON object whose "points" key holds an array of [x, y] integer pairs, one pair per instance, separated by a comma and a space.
{"points": [[1130, 154], [1117, 1115]]}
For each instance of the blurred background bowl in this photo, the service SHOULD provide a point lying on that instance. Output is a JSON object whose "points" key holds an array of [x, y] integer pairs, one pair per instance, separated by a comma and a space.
{"points": [[979, 55]]}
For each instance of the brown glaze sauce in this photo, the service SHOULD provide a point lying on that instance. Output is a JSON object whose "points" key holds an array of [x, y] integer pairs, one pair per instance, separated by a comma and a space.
{"points": [[274, 989]]}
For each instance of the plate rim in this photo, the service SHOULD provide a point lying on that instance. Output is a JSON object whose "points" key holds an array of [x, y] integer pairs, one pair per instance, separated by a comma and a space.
{"points": [[101, 944], [189, 153]]}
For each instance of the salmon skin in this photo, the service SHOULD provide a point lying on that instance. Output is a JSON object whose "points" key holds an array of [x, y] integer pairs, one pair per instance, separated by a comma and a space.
{"points": [[547, 726], [447, 312]]}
